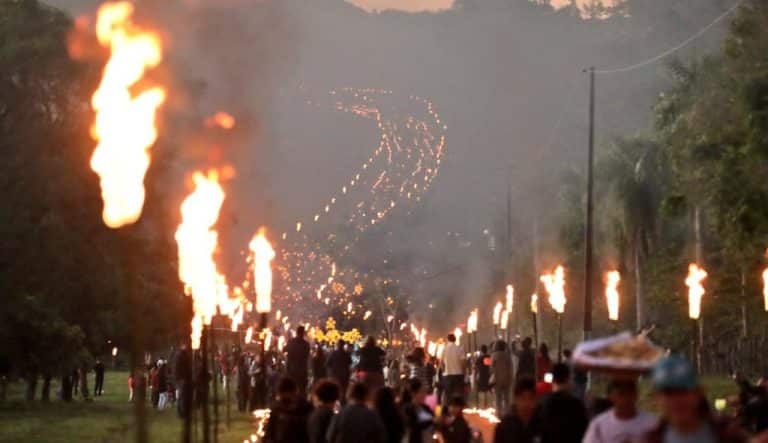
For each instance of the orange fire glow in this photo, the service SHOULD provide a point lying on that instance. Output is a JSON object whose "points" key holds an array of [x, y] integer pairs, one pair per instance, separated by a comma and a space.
{"points": [[497, 313], [220, 119], [472, 321], [510, 298], [263, 254], [504, 320], [555, 286], [197, 242], [125, 118], [535, 303], [695, 289], [612, 279]]}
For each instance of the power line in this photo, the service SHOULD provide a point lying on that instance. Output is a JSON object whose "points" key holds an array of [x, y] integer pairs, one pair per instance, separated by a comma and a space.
{"points": [[673, 49]]}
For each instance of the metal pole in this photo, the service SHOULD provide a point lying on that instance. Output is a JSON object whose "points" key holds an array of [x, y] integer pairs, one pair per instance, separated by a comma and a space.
{"points": [[215, 371], [535, 331], [204, 384], [559, 338], [589, 216]]}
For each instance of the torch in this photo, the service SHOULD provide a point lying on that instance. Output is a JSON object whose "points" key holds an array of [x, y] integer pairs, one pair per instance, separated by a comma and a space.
{"points": [[496, 319], [125, 131], [504, 324], [263, 254], [612, 279], [534, 314], [765, 285], [555, 286], [696, 276], [457, 333], [114, 357], [472, 329], [510, 300]]}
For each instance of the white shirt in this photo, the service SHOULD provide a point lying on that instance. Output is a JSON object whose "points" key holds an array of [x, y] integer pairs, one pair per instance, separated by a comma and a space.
{"points": [[607, 428], [453, 359]]}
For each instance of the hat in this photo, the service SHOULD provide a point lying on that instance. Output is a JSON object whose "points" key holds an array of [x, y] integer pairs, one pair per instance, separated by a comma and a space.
{"points": [[674, 372]]}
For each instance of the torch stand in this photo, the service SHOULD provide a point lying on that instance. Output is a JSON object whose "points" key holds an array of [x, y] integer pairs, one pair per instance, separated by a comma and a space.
{"points": [[559, 338], [215, 370], [204, 385], [535, 331], [694, 342]]}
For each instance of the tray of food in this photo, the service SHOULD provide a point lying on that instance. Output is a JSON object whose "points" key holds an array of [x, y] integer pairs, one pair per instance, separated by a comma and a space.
{"points": [[624, 352]]}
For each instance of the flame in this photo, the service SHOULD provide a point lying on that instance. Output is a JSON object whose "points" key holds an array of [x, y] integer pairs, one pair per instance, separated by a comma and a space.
{"points": [[249, 335], [423, 337], [535, 303], [765, 288], [263, 254], [367, 315], [432, 348], [472, 321], [197, 243], [504, 320], [510, 298], [125, 121], [612, 279], [497, 313], [457, 333], [114, 351], [220, 119], [280, 343], [555, 285], [441, 347], [695, 289]]}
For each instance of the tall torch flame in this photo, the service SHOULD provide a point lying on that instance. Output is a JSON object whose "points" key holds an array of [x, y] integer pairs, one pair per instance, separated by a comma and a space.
{"points": [[497, 313], [125, 121], [472, 321], [197, 243], [535, 303], [695, 289], [612, 279], [504, 320], [510, 298], [555, 286], [262, 271]]}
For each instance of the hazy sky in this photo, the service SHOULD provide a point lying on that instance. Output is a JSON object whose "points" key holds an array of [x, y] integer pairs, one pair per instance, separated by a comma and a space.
{"points": [[420, 5]]}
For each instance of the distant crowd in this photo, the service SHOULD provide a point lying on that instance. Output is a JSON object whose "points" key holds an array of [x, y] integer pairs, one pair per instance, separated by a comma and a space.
{"points": [[367, 394]]}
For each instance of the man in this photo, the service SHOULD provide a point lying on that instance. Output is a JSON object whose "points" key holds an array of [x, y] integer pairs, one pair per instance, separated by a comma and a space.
{"points": [[339, 366], [297, 359], [623, 422], [520, 425], [562, 416], [453, 369], [453, 427], [356, 423], [98, 370], [685, 416], [526, 359], [580, 376], [289, 415], [371, 365], [324, 397]]}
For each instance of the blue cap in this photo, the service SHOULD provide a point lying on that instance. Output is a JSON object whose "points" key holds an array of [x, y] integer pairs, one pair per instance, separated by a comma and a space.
{"points": [[674, 372]]}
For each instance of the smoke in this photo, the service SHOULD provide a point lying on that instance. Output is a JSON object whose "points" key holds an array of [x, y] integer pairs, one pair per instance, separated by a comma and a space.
{"points": [[505, 76]]}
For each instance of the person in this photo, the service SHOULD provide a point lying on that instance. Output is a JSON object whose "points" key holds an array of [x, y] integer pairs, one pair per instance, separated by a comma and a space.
{"points": [[580, 376], [318, 364], [98, 371], [453, 427], [685, 413], [243, 381], [154, 384], [297, 359], [623, 422], [501, 369], [131, 385], [289, 415], [453, 369], [526, 359], [324, 396], [371, 364], [519, 425], [356, 423], [483, 376], [563, 417], [419, 419], [417, 367], [543, 362], [338, 365], [386, 407], [182, 376], [162, 384]]}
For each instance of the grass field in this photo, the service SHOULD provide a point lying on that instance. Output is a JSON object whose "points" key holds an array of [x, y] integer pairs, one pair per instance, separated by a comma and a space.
{"points": [[106, 419]]}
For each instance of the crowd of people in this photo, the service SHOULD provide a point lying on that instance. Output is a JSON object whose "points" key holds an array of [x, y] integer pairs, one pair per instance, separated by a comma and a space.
{"points": [[348, 393]]}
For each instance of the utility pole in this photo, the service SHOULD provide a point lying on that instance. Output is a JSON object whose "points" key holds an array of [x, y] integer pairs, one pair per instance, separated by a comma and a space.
{"points": [[588, 231]]}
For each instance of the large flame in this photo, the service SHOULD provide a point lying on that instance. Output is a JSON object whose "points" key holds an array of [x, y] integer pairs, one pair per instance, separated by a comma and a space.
{"points": [[510, 298], [457, 333], [125, 118], [535, 303], [695, 289], [197, 243], [504, 320], [555, 286], [263, 254], [612, 279], [472, 321], [497, 313]]}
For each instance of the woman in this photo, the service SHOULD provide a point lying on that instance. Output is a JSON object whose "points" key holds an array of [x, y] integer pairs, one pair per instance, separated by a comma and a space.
{"points": [[390, 415], [419, 419], [543, 363], [501, 367]]}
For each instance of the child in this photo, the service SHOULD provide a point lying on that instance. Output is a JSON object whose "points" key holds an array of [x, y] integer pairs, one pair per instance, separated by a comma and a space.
{"points": [[453, 427]]}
